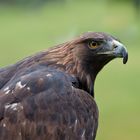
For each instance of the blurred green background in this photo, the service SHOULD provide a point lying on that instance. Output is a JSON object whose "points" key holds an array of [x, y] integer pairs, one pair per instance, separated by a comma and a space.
{"points": [[29, 26]]}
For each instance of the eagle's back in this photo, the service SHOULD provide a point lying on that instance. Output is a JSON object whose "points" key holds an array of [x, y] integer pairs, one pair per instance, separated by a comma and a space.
{"points": [[43, 103]]}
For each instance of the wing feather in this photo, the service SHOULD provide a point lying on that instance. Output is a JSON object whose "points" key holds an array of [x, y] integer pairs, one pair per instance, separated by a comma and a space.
{"points": [[43, 105]]}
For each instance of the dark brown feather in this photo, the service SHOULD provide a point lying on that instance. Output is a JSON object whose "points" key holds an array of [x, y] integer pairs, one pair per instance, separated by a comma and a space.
{"points": [[45, 106]]}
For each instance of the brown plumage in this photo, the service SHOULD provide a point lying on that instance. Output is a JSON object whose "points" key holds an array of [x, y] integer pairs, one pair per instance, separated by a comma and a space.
{"points": [[48, 96]]}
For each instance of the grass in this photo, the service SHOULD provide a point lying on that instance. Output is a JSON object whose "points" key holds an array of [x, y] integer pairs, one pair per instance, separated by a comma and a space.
{"points": [[26, 31]]}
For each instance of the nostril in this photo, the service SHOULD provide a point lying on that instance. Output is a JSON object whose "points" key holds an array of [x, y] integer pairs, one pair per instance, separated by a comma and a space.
{"points": [[115, 46]]}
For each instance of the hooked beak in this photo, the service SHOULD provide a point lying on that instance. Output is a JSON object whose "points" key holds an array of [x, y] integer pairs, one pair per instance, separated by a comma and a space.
{"points": [[120, 51], [116, 50]]}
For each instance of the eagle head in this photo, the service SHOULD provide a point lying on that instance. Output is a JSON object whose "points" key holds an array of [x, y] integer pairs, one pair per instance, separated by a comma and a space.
{"points": [[93, 50], [100, 48]]}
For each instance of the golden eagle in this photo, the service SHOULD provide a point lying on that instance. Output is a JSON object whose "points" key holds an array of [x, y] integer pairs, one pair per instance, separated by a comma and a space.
{"points": [[50, 96]]}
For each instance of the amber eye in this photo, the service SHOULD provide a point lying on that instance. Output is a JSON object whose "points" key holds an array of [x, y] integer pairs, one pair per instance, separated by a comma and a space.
{"points": [[93, 45]]}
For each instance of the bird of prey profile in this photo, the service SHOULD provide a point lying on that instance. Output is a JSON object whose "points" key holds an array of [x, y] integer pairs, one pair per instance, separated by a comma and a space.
{"points": [[50, 95]]}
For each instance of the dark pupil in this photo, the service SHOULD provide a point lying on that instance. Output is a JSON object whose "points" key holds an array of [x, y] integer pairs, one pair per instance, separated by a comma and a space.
{"points": [[93, 43]]}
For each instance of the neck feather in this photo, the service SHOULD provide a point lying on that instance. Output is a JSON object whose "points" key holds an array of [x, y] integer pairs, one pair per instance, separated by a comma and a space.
{"points": [[63, 58]]}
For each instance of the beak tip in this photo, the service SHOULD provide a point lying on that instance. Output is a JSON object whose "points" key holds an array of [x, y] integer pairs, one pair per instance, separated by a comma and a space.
{"points": [[125, 57], [125, 60]]}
